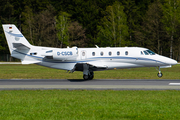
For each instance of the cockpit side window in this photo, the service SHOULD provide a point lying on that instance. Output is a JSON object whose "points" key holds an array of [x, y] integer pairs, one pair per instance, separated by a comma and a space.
{"points": [[145, 52], [142, 53], [150, 52]]}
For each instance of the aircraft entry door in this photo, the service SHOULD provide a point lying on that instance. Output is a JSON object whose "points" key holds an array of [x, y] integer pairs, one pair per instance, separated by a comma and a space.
{"points": [[83, 54]]}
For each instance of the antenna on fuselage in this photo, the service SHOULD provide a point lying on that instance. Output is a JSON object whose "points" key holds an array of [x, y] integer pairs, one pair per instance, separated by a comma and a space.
{"points": [[96, 46]]}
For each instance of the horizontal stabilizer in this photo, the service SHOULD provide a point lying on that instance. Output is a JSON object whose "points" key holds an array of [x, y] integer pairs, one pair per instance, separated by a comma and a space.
{"points": [[20, 46], [30, 62]]}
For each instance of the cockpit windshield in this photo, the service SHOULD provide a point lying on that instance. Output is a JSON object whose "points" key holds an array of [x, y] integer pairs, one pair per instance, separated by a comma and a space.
{"points": [[150, 52], [145, 52]]}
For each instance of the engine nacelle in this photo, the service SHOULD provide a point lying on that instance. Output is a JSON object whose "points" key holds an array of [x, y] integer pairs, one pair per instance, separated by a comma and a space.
{"points": [[65, 54]]}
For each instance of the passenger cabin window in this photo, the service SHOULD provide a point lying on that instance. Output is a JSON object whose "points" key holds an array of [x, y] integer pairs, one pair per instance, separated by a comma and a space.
{"points": [[83, 53], [101, 53], [110, 53], [118, 53], [93, 53], [126, 53]]}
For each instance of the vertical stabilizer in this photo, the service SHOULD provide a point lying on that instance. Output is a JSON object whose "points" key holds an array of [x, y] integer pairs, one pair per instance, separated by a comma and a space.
{"points": [[15, 39]]}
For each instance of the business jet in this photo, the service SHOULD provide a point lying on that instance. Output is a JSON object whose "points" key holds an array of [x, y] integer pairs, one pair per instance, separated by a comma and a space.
{"points": [[86, 60]]}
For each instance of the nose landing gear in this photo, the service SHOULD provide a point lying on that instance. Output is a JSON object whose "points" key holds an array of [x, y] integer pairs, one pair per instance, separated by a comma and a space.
{"points": [[159, 73]]}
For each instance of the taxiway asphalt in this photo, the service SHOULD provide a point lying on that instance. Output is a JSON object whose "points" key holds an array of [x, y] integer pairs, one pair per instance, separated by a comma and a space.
{"points": [[96, 84]]}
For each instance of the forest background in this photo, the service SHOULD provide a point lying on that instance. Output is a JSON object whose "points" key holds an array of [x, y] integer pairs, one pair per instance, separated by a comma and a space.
{"points": [[153, 24]]}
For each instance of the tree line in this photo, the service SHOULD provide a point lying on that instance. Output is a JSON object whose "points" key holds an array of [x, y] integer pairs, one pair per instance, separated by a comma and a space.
{"points": [[152, 24]]}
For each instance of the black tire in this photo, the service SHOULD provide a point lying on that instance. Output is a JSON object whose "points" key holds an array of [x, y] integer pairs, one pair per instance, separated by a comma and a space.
{"points": [[86, 77], [91, 76], [159, 75]]}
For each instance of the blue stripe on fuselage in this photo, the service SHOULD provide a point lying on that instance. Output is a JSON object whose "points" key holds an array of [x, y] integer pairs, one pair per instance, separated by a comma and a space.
{"points": [[91, 59]]}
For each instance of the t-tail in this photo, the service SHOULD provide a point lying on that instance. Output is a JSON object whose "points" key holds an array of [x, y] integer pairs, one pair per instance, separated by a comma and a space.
{"points": [[19, 47]]}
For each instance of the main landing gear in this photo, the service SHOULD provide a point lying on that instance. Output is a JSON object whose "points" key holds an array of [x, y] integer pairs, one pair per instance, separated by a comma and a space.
{"points": [[159, 73], [90, 76], [87, 73]]}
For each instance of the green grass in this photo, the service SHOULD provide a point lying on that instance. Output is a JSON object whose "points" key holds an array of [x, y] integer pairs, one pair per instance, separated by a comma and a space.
{"points": [[40, 72], [89, 105]]}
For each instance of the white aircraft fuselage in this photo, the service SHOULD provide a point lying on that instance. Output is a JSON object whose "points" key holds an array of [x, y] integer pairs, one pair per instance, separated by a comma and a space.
{"points": [[83, 59]]}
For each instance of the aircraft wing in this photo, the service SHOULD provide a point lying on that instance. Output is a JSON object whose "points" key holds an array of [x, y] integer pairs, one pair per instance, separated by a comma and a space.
{"points": [[97, 64], [94, 65], [30, 62]]}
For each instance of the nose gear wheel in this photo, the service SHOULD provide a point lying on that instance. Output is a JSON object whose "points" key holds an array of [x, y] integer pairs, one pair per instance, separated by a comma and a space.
{"points": [[159, 73]]}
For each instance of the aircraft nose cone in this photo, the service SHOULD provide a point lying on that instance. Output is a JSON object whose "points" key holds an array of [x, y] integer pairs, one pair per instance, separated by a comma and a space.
{"points": [[172, 62], [168, 61]]}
